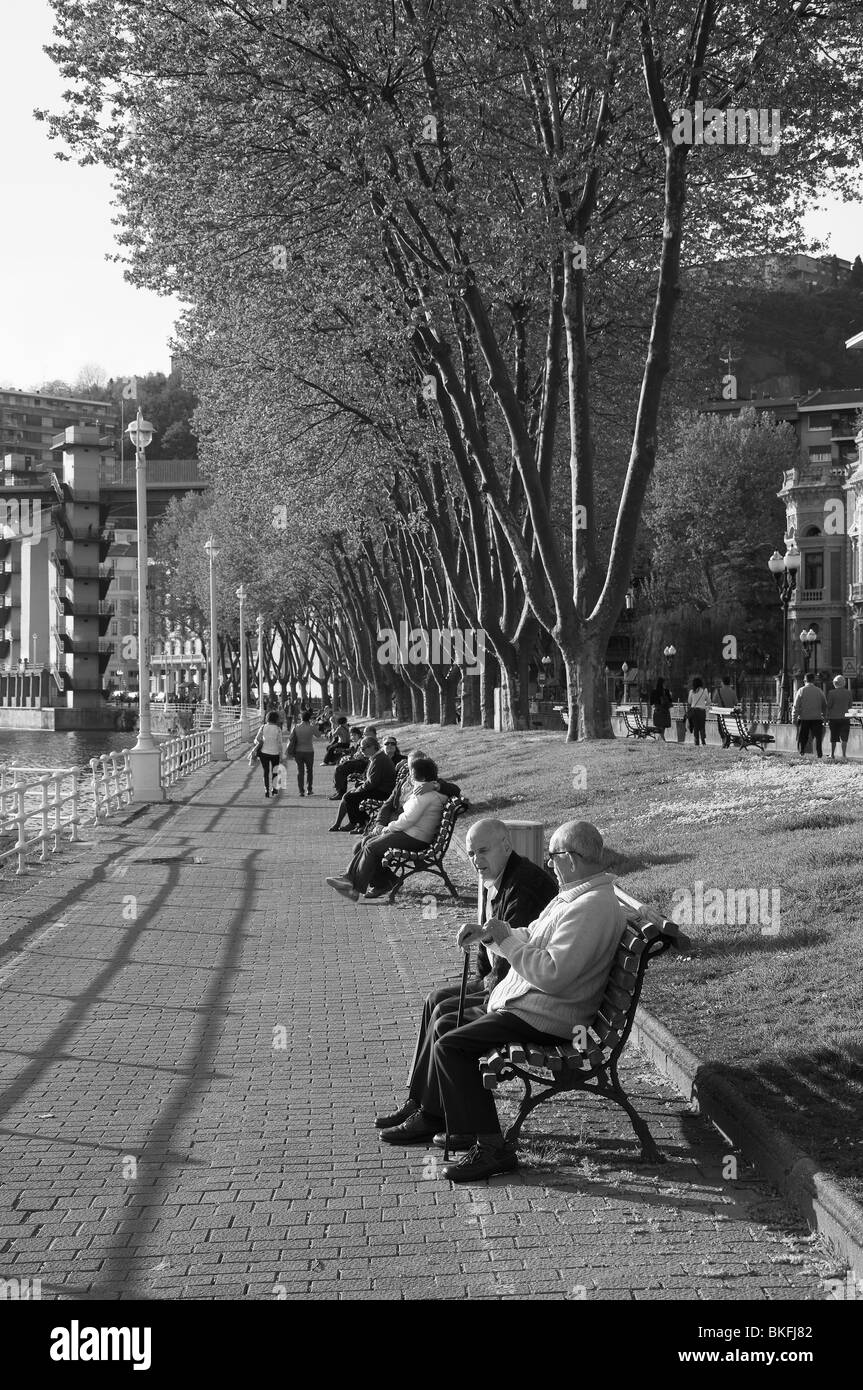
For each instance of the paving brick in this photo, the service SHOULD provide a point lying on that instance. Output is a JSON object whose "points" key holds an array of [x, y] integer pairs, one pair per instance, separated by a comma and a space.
{"points": [[259, 1167]]}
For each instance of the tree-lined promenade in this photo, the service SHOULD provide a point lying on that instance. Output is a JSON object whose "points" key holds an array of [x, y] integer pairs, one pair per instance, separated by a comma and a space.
{"points": [[434, 258]]}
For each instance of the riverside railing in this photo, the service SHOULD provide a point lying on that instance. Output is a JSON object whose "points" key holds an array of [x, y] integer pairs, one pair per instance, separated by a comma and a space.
{"points": [[35, 796], [112, 783], [182, 755]]}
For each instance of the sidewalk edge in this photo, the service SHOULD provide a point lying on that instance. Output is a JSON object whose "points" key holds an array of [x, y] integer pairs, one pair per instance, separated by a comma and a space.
{"points": [[827, 1209]]}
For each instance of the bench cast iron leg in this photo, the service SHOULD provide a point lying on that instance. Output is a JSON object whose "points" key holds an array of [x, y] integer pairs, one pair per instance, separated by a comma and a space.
{"points": [[649, 1152]]}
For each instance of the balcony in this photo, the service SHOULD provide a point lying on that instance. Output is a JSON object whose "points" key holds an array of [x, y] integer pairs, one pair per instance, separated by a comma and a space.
{"points": [[78, 570], [90, 608], [810, 595], [855, 593], [66, 495]]}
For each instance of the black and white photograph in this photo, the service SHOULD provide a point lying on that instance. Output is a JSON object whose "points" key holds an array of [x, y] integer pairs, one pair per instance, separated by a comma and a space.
{"points": [[431, 673]]}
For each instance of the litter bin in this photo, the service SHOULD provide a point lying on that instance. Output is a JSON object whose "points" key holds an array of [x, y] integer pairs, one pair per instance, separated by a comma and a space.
{"points": [[678, 714]]}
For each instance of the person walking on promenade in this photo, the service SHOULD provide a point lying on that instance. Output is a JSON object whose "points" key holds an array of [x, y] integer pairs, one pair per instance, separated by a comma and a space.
{"points": [[839, 700], [698, 702], [559, 967], [268, 742], [810, 711], [660, 702], [302, 748]]}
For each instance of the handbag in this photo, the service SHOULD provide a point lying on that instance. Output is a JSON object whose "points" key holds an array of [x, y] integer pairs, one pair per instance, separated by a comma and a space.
{"points": [[292, 743]]}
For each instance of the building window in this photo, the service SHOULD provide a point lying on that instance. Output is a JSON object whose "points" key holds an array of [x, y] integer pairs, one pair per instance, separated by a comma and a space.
{"points": [[813, 569]]}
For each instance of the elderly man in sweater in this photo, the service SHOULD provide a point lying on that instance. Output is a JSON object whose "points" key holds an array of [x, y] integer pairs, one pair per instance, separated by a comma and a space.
{"points": [[810, 711], [415, 828], [559, 966]]}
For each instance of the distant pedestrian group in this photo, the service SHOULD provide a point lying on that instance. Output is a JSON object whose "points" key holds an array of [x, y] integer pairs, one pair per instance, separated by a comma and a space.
{"points": [[811, 709]]}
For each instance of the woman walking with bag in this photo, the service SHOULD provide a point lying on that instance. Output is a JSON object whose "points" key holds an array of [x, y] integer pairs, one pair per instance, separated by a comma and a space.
{"points": [[698, 702], [268, 747]]}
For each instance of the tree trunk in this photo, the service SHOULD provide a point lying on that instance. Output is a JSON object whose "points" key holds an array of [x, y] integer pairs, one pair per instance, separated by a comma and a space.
{"points": [[470, 701], [447, 696], [356, 692], [404, 711], [488, 680], [522, 711], [417, 704], [507, 699], [432, 700], [587, 692]]}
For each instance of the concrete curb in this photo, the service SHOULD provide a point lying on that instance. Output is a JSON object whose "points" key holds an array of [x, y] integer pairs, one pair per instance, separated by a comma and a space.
{"points": [[826, 1208]]}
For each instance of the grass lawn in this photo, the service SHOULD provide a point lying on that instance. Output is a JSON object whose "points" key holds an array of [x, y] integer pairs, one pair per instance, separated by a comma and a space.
{"points": [[783, 1011]]}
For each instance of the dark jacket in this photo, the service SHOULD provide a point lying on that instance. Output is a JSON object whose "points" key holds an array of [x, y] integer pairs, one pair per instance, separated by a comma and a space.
{"points": [[525, 889], [380, 776]]}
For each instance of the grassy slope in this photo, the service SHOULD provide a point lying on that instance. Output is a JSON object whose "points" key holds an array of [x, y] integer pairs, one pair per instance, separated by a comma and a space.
{"points": [[785, 1012]]}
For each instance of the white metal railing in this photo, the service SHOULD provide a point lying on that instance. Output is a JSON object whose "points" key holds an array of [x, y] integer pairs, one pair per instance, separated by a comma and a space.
{"points": [[184, 754], [35, 795], [232, 734], [112, 783]]}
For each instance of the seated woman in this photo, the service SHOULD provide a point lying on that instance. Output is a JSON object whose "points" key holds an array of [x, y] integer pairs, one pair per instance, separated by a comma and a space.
{"points": [[339, 743], [414, 828], [393, 752]]}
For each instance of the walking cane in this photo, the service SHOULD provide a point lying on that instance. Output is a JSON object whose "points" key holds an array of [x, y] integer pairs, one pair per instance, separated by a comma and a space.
{"points": [[458, 1022], [460, 1015]]}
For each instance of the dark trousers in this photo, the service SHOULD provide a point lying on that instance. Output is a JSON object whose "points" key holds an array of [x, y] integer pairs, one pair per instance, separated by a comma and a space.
{"points": [[269, 763], [698, 719], [305, 763], [350, 806], [343, 771], [333, 753], [445, 1076], [366, 870], [815, 727]]}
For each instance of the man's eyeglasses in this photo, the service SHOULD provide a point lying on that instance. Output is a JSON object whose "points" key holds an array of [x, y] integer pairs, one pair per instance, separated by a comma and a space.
{"points": [[548, 862]]}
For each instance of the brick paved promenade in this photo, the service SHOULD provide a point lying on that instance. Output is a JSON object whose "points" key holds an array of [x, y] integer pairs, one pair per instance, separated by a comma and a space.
{"points": [[157, 1144]]}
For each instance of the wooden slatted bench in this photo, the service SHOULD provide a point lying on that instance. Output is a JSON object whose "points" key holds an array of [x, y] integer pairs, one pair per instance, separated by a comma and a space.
{"points": [[634, 722], [733, 727], [404, 863], [589, 1063]]}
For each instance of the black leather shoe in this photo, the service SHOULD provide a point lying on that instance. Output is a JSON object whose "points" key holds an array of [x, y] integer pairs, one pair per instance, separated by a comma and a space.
{"points": [[480, 1162], [409, 1108], [457, 1142], [418, 1129]]}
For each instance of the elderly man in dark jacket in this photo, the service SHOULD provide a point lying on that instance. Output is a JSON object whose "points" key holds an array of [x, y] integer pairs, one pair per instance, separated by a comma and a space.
{"points": [[379, 782], [515, 891]]}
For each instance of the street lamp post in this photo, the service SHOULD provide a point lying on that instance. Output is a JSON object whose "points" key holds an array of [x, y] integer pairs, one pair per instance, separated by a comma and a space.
{"points": [[144, 757], [784, 569], [809, 643], [244, 709], [668, 655], [217, 733], [260, 665]]}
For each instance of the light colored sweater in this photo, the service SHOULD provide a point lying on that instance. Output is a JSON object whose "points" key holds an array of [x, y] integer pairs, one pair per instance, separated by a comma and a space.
{"points": [[561, 962], [809, 702], [422, 813]]}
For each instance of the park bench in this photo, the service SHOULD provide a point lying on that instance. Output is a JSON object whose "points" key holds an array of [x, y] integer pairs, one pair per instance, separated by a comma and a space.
{"points": [[404, 863], [733, 727], [855, 714], [634, 722], [589, 1063], [372, 804]]}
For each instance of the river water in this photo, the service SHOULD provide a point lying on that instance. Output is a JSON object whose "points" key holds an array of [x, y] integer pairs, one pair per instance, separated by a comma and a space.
{"points": [[32, 748]]}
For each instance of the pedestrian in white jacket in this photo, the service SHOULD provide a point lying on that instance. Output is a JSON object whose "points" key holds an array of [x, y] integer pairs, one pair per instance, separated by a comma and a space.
{"points": [[415, 828]]}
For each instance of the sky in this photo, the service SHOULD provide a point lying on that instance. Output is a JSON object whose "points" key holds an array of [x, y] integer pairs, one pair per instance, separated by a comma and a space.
{"points": [[64, 304]]}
